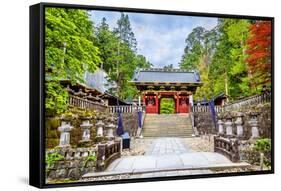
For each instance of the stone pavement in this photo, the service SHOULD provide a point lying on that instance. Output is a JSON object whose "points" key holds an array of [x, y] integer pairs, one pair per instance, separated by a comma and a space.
{"points": [[167, 157], [165, 146]]}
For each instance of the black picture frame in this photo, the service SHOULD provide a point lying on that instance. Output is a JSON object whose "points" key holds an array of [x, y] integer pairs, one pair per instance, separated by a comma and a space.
{"points": [[37, 97]]}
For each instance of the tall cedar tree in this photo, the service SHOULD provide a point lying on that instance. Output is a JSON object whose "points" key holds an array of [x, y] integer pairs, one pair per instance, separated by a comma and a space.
{"points": [[259, 51], [70, 52]]}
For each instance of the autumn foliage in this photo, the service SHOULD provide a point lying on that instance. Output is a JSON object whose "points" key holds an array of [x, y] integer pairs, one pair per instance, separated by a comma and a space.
{"points": [[259, 53]]}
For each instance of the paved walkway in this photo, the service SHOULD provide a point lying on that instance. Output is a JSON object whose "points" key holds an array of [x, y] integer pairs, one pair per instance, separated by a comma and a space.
{"points": [[166, 146], [167, 157]]}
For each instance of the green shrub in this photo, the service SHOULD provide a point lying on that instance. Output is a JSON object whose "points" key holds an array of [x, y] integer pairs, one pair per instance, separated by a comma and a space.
{"points": [[90, 158], [51, 158], [167, 106], [262, 145]]}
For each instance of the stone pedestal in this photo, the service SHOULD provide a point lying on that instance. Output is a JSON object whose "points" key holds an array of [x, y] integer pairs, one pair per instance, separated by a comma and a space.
{"points": [[64, 130]]}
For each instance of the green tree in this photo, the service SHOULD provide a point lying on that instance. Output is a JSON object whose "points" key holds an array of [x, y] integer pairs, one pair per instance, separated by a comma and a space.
{"points": [[229, 69], [125, 33], [167, 106], [107, 43], [118, 55], [142, 62], [169, 66], [69, 52]]}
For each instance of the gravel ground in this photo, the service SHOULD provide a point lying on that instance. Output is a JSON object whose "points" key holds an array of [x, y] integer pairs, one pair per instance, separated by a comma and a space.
{"points": [[102, 178], [138, 147], [200, 144], [248, 169]]}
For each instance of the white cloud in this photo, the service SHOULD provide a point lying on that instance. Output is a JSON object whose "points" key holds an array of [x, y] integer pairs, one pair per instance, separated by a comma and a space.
{"points": [[161, 38], [164, 47]]}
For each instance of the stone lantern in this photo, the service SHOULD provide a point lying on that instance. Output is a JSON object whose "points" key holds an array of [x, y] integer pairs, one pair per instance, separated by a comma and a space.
{"points": [[220, 125], [64, 130], [228, 124], [100, 126], [110, 127], [239, 124], [254, 124], [86, 126]]}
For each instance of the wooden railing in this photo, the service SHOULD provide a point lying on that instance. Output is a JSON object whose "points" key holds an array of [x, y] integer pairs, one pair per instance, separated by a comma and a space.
{"points": [[107, 153], [85, 104], [124, 109], [227, 147]]}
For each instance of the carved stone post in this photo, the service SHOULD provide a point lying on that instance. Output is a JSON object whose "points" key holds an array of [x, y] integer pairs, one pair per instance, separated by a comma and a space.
{"points": [[220, 125], [239, 124], [101, 157], [254, 124], [228, 125], [64, 130]]}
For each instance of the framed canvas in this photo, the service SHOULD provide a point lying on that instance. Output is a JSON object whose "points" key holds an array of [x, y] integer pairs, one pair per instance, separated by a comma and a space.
{"points": [[123, 95]]}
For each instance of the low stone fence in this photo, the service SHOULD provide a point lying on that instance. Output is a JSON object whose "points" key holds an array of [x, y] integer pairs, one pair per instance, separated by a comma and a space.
{"points": [[73, 165], [78, 161]]}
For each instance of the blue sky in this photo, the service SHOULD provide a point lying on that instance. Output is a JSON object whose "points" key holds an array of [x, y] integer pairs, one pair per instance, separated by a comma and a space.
{"points": [[161, 38]]}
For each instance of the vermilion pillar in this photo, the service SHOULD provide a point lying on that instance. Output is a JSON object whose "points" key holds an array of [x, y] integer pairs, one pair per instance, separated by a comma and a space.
{"points": [[157, 103], [178, 103]]}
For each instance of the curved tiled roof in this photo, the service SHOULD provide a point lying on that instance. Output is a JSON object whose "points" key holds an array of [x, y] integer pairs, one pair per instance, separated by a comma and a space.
{"points": [[166, 76]]}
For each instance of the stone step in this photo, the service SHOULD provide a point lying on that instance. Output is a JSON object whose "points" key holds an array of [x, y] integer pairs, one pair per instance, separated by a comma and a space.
{"points": [[167, 131], [172, 125], [170, 135], [168, 127]]}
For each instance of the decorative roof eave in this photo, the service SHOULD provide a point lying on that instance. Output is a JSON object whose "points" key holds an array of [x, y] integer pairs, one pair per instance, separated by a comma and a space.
{"points": [[108, 95], [82, 86], [167, 83], [164, 70]]}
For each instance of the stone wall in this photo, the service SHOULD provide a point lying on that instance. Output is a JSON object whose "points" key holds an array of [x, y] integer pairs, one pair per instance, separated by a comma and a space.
{"points": [[204, 124], [130, 123], [76, 162], [73, 165]]}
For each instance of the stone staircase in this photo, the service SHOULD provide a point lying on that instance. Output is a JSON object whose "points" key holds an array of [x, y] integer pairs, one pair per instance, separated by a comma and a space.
{"points": [[167, 125]]}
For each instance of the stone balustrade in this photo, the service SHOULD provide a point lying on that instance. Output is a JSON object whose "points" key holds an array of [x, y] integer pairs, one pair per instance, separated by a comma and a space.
{"points": [[227, 147], [108, 153]]}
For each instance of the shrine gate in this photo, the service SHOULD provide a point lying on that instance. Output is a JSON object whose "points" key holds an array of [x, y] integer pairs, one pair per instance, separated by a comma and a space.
{"points": [[155, 84]]}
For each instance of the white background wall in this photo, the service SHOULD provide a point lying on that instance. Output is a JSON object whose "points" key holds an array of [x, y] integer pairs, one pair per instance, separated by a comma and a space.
{"points": [[14, 51]]}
